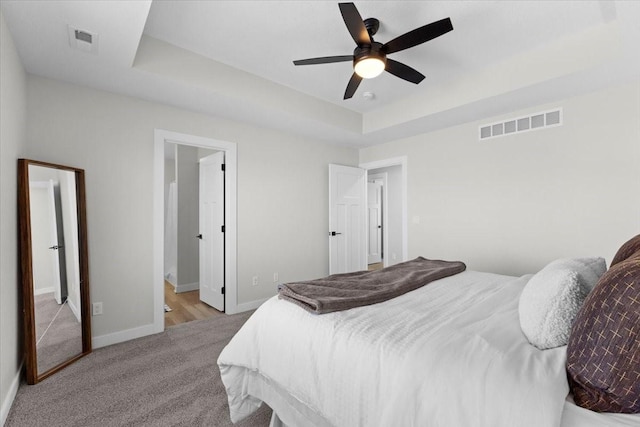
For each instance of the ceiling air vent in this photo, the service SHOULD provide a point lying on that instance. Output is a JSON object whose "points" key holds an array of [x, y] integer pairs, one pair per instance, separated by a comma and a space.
{"points": [[83, 40], [535, 121]]}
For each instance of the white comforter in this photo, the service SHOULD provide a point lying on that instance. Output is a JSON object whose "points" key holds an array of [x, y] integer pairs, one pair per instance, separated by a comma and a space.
{"points": [[448, 354]]}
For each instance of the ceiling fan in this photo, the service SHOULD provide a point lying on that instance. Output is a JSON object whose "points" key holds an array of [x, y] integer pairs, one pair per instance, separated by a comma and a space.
{"points": [[370, 57]]}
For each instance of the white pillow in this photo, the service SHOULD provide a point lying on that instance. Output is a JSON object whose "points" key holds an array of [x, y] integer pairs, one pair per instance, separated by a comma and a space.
{"points": [[550, 301], [589, 269]]}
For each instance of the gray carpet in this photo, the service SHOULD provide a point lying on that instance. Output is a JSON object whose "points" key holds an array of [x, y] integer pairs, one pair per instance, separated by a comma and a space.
{"points": [[168, 379], [58, 332]]}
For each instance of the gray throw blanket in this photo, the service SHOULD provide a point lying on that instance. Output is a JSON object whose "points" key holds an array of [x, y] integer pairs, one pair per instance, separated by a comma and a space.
{"points": [[349, 290]]}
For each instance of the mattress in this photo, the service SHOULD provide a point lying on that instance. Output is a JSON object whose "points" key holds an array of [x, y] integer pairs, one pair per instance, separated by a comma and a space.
{"points": [[451, 352]]}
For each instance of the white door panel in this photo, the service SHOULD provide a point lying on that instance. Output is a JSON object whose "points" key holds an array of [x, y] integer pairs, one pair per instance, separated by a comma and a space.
{"points": [[347, 219], [211, 235]]}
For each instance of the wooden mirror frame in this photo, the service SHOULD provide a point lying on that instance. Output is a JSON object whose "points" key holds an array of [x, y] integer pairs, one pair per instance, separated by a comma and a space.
{"points": [[26, 269]]}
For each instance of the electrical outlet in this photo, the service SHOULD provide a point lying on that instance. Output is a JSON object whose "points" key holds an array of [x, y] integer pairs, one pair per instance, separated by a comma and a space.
{"points": [[96, 308], [275, 277], [255, 281]]}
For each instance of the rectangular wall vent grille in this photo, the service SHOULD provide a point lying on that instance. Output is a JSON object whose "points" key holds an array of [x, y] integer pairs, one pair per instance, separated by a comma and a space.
{"points": [[83, 36], [83, 40], [535, 121]]}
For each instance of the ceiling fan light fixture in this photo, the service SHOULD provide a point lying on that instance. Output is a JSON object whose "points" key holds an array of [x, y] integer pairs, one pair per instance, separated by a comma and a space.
{"points": [[369, 67], [370, 57]]}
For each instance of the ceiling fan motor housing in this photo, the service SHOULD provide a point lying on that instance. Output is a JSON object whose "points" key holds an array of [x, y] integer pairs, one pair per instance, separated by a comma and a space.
{"points": [[375, 50], [372, 25]]}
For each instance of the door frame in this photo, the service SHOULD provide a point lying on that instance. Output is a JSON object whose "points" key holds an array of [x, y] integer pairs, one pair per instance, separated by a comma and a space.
{"points": [[383, 163], [161, 137]]}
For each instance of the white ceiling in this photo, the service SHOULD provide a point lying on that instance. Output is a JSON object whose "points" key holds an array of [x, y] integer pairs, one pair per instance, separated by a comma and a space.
{"points": [[234, 58]]}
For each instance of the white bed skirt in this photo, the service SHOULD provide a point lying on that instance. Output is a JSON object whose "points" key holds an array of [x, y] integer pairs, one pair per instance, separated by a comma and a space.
{"points": [[276, 421], [287, 412], [573, 416]]}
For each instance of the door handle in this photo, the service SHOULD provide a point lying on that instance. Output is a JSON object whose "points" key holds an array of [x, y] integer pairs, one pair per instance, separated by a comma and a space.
{"points": [[199, 236], [56, 247], [333, 233]]}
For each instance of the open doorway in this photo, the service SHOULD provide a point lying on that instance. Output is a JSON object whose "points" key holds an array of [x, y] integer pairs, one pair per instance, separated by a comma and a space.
{"points": [[387, 207], [376, 227], [202, 147], [188, 260], [348, 214]]}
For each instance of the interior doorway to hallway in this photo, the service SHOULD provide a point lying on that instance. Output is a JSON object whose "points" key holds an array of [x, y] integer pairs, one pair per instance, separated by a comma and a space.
{"points": [[386, 216], [194, 233], [349, 238], [376, 216], [161, 138]]}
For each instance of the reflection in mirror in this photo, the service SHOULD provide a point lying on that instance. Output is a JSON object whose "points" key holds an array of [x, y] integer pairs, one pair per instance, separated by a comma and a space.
{"points": [[53, 253]]}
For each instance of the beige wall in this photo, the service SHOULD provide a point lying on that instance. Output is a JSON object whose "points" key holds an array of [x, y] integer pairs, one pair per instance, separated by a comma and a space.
{"points": [[511, 204], [188, 181], [282, 192], [12, 140]]}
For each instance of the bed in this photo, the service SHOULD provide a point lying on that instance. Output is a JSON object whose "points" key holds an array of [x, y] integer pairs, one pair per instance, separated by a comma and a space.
{"points": [[451, 353]]}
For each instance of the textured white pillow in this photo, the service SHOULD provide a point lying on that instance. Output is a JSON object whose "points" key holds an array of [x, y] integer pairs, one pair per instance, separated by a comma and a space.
{"points": [[589, 269], [550, 301]]}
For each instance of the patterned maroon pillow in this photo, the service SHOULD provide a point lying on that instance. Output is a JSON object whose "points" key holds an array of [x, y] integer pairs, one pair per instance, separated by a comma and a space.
{"points": [[628, 249], [603, 353]]}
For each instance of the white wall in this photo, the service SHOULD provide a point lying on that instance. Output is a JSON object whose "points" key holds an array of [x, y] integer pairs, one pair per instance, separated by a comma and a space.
{"points": [[13, 119], [282, 192], [41, 259], [512, 204]]}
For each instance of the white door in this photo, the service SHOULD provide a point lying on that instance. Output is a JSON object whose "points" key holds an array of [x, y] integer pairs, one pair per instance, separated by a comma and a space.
{"points": [[211, 230], [347, 219], [374, 206]]}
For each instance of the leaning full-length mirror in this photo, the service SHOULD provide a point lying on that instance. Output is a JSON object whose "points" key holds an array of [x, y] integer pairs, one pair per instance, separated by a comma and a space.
{"points": [[55, 273]]}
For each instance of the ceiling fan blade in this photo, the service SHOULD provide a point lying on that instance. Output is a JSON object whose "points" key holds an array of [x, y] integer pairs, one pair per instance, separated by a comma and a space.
{"points": [[354, 23], [419, 36], [323, 60], [405, 72], [354, 82]]}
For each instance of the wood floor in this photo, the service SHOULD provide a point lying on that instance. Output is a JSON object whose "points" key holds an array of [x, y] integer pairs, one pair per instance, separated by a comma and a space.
{"points": [[376, 266], [185, 307]]}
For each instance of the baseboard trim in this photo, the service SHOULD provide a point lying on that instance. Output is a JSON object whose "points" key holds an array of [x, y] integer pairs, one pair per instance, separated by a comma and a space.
{"points": [[143, 331], [251, 305], [11, 395], [44, 291], [187, 287], [171, 278], [122, 336]]}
